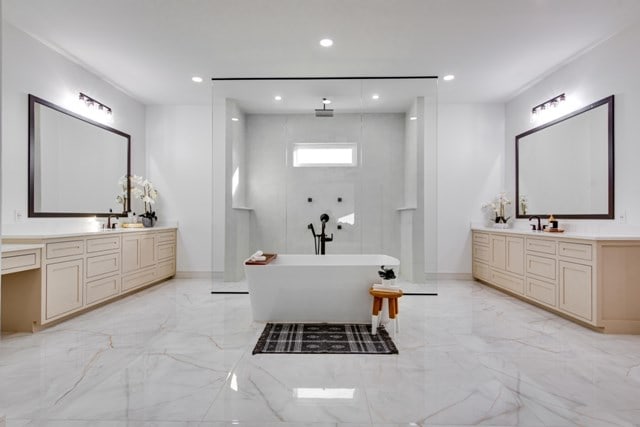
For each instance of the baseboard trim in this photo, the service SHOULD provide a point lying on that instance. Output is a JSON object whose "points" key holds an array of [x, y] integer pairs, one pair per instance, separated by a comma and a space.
{"points": [[211, 275], [448, 276]]}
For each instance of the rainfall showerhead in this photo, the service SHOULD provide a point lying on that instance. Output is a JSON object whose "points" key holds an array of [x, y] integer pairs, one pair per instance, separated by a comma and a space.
{"points": [[324, 111]]}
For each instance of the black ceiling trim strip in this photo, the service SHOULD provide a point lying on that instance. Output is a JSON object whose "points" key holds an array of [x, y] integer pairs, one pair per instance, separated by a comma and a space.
{"points": [[324, 78]]}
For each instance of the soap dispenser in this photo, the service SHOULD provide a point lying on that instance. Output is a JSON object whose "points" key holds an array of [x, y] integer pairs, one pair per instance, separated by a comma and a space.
{"points": [[553, 223]]}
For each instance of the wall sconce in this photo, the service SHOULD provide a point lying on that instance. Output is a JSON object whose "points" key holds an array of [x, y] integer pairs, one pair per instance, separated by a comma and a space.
{"points": [[543, 110], [95, 105]]}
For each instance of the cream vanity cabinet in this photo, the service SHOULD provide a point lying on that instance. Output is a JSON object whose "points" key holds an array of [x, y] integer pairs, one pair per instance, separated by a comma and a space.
{"points": [[85, 270], [590, 280]]}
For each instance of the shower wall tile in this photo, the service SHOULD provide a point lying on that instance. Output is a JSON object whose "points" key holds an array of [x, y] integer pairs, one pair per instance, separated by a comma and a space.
{"points": [[279, 193]]}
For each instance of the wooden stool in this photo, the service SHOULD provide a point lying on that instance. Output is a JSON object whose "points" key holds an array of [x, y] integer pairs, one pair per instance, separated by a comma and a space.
{"points": [[392, 296]]}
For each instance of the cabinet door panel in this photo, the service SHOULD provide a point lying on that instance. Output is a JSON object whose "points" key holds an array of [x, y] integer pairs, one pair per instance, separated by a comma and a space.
{"points": [[576, 294], [515, 255], [498, 254], [148, 255], [130, 254], [64, 287]]}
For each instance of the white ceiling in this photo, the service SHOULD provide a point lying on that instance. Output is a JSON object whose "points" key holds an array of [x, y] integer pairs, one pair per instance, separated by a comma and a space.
{"points": [[151, 48]]}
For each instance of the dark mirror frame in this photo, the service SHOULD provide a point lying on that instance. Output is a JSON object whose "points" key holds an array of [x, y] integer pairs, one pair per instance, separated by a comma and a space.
{"points": [[609, 101], [33, 100]]}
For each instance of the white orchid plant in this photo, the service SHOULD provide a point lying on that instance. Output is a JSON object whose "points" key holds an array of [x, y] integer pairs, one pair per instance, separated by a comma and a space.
{"points": [[524, 204], [141, 189], [497, 207]]}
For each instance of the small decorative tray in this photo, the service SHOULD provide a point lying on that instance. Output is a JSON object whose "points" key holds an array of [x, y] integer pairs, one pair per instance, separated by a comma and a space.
{"points": [[270, 257], [554, 230]]}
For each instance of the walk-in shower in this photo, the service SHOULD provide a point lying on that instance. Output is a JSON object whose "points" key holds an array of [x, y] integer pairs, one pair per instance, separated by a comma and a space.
{"points": [[370, 168]]}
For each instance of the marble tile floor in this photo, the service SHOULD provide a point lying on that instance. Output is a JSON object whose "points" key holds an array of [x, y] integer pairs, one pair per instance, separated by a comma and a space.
{"points": [[176, 355]]}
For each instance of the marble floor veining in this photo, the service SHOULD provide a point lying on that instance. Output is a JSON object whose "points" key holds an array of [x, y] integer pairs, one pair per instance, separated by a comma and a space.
{"points": [[177, 355]]}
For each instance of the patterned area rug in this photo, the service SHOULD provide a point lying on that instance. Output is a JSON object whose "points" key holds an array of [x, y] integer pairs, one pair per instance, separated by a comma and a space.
{"points": [[323, 338]]}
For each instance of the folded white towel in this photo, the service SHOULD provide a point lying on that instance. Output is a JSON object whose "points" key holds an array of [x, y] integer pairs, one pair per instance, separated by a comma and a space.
{"points": [[258, 258], [257, 253], [381, 286]]}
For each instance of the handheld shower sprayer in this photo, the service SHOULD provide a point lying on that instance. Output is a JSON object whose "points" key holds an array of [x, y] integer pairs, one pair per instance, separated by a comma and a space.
{"points": [[319, 240]]}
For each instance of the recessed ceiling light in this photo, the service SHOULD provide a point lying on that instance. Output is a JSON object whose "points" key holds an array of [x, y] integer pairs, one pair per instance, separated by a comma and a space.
{"points": [[196, 79], [375, 96], [448, 77], [235, 119], [277, 98], [326, 101], [413, 118], [326, 42]]}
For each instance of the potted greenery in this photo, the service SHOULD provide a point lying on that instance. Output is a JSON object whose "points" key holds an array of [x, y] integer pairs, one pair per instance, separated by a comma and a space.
{"points": [[387, 275], [141, 189], [148, 194]]}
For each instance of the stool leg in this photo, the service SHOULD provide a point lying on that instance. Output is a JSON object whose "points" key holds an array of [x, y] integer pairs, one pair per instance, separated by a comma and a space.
{"points": [[392, 316], [377, 304], [374, 324]]}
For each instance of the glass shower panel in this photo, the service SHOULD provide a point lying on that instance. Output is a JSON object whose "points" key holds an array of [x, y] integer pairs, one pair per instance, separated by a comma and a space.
{"points": [[367, 159]]}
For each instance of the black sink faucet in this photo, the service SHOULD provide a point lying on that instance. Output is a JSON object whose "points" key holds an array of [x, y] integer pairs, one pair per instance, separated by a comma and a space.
{"points": [[533, 226]]}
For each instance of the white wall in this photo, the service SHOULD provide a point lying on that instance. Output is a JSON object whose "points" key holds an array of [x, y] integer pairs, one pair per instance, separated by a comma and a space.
{"points": [[470, 172], [612, 67], [31, 67], [179, 164]]}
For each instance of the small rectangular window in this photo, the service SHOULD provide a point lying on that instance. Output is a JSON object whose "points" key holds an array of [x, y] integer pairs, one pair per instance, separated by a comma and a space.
{"points": [[325, 154]]}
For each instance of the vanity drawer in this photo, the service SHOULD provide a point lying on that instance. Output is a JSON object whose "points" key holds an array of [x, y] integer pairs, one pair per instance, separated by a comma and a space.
{"points": [[541, 266], [481, 271], [514, 284], [103, 244], [575, 250], [20, 262], [481, 253], [103, 264], [541, 245], [99, 290], [166, 251], [166, 237], [138, 279], [541, 291], [481, 238], [62, 249], [166, 268]]}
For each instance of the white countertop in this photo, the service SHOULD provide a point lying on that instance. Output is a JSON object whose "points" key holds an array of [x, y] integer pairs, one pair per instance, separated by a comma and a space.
{"points": [[12, 247], [603, 235], [40, 234]]}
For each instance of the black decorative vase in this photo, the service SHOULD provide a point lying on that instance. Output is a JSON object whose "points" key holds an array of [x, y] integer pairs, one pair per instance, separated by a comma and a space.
{"points": [[501, 220], [148, 222]]}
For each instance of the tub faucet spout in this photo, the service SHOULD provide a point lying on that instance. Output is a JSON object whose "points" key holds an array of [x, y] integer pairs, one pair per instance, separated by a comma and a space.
{"points": [[324, 238]]}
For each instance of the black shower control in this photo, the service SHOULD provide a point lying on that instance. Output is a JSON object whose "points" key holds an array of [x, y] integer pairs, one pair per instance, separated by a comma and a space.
{"points": [[339, 227], [309, 199], [339, 199]]}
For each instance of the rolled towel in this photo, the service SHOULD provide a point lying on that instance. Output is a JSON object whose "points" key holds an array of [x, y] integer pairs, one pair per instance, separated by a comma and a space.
{"points": [[257, 253], [259, 258]]}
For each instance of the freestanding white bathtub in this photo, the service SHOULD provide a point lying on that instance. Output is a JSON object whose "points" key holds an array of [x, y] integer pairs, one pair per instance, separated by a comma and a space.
{"points": [[315, 288]]}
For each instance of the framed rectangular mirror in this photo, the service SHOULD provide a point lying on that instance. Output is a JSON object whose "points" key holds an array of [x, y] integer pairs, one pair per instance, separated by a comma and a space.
{"points": [[74, 163], [565, 167]]}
